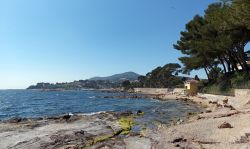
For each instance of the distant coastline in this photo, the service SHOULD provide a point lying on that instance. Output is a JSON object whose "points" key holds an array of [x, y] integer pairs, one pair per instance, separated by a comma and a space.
{"points": [[114, 81]]}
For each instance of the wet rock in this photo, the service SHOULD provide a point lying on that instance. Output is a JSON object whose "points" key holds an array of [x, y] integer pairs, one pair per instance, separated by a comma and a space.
{"points": [[225, 125], [81, 132], [134, 134], [192, 113], [66, 117], [53, 118], [17, 120], [139, 112], [124, 114], [66, 139]]}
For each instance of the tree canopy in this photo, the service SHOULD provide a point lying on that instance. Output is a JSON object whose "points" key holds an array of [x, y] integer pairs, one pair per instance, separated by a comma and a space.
{"points": [[217, 39], [160, 77]]}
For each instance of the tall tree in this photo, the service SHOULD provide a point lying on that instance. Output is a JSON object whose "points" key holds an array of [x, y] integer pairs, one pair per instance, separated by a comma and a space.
{"points": [[218, 39], [161, 77]]}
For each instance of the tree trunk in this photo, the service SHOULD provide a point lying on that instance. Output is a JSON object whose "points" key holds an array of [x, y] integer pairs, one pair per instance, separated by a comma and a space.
{"points": [[241, 55], [232, 61], [207, 74], [228, 64], [222, 62]]}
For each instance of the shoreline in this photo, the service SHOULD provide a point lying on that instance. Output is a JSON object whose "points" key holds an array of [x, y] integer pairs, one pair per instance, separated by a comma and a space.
{"points": [[66, 131], [220, 126], [40, 132]]}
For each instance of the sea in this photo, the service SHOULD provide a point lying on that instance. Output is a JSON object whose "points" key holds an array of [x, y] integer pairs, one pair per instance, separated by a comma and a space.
{"points": [[37, 103]]}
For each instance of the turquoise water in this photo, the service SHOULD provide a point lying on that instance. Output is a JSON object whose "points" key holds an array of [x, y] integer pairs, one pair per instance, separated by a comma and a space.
{"points": [[33, 104]]}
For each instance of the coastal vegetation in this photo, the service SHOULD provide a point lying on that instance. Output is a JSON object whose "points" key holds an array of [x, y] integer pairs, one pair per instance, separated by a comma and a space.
{"points": [[216, 42], [160, 77], [114, 81], [166, 76], [76, 85], [126, 124]]}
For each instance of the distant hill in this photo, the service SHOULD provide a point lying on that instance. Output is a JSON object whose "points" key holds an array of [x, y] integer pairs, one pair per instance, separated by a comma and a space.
{"points": [[113, 81], [131, 76]]}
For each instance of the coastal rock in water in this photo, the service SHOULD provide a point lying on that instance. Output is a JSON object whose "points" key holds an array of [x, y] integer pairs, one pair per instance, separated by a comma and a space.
{"points": [[67, 117], [123, 114], [139, 112], [17, 120], [225, 125], [107, 97], [180, 121]]}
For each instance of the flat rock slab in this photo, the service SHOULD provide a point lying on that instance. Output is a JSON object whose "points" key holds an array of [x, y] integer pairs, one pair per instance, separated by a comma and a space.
{"points": [[59, 132], [138, 143]]}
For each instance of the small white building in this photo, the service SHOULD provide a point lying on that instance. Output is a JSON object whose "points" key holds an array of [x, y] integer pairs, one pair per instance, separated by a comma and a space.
{"points": [[192, 86]]}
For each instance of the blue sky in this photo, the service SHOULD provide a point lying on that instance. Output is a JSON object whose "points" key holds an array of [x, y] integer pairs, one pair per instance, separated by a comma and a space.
{"points": [[63, 40]]}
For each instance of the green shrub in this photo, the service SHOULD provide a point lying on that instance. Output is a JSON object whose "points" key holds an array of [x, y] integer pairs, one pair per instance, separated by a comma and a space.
{"points": [[241, 81], [225, 84]]}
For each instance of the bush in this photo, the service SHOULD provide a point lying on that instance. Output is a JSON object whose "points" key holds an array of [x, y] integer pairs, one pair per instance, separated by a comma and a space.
{"points": [[225, 84], [241, 81]]}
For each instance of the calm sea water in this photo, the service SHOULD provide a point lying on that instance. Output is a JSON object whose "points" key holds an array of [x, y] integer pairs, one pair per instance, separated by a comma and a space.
{"points": [[33, 104]]}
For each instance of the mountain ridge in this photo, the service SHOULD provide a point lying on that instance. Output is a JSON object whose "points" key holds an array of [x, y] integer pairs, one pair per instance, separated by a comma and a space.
{"points": [[131, 76]]}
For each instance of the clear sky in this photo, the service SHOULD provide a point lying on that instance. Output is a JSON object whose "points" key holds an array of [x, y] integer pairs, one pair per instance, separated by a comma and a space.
{"points": [[66, 40]]}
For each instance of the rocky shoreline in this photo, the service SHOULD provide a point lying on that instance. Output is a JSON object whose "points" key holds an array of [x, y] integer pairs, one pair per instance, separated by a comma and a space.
{"points": [[108, 129], [220, 126], [104, 129]]}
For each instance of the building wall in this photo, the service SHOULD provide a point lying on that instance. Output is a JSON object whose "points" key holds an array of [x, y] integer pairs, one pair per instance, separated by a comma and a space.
{"points": [[241, 98], [158, 90], [191, 88], [187, 86]]}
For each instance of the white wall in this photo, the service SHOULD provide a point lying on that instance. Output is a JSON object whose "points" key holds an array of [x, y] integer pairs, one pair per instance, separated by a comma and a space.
{"points": [[158, 90]]}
